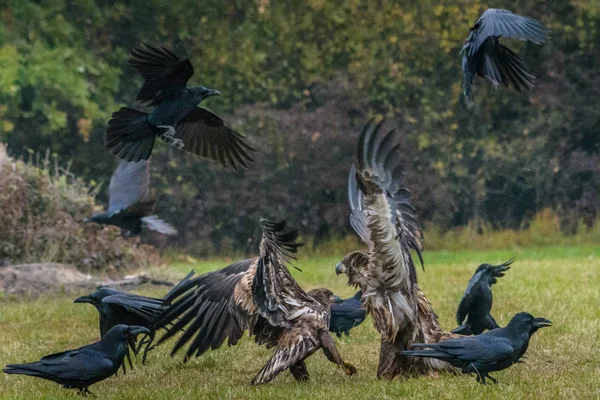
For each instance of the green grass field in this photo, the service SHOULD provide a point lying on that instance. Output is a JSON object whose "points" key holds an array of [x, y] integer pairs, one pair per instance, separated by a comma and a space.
{"points": [[563, 361]]}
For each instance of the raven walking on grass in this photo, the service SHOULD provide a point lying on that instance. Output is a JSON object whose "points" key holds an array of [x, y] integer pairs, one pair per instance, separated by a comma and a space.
{"points": [[346, 314], [492, 351], [484, 56], [116, 307], [82, 367], [476, 302], [130, 202], [175, 118]]}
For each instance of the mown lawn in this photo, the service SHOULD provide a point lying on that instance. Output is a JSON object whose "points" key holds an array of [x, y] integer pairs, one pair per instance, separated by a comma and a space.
{"points": [[562, 284]]}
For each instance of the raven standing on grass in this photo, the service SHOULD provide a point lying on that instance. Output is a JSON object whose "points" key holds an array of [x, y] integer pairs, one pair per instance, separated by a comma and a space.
{"points": [[346, 314], [116, 308], [476, 302], [82, 367], [495, 350], [130, 202], [484, 56], [175, 118]]}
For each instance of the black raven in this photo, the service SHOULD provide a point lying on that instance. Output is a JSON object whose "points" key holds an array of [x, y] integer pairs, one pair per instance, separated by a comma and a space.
{"points": [[346, 314], [82, 367], [130, 202], [476, 302], [484, 56], [491, 351], [175, 117], [116, 307]]}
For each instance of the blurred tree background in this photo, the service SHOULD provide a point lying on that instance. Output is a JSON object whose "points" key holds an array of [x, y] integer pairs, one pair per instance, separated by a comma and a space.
{"points": [[300, 78]]}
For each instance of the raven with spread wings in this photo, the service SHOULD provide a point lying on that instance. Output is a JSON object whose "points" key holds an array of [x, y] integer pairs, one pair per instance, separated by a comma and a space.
{"points": [[385, 221], [261, 296]]}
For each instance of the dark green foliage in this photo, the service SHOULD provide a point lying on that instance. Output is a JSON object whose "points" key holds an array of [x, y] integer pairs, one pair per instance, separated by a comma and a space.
{"points": [[301, 78]]}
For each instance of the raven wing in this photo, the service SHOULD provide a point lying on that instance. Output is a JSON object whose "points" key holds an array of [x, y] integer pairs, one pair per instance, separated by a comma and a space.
{"points": [[164, 73], [146, 307], [483, 349], [206, 135], [79, 364], [129, 189], [496, 22], [217, 306], [468, 299]]}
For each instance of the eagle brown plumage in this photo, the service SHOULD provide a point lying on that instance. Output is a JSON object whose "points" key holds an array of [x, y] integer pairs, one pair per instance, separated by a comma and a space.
{"points": [[261, 296], [383, 217]]}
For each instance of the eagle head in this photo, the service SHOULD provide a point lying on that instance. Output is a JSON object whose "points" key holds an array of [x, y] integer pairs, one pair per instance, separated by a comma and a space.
{"points": [[352, 265]]}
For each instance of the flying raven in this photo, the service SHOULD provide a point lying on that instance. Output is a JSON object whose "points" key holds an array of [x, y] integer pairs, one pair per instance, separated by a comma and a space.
{"points": [[491, 351], [175, 117], [484, 56], [346, 314], [261, 296], [116, 308], [82, 367], [476, 303], [130, 202], [382, 216]]}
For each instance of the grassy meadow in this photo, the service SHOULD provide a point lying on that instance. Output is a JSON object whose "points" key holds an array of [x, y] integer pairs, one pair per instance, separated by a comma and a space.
{"points": [[563, 361]]}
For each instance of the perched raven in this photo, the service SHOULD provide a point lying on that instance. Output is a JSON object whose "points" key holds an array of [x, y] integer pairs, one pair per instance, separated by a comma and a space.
{"points": [[476, 302], [346, 314], [130, 202], [82, 367], [175, 118], [484, 56], [491, 351], [116, 307]]}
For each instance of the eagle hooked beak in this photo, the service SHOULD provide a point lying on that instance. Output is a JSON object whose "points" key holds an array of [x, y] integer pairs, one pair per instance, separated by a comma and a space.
{"points": [[340, 268], [541, 323]]}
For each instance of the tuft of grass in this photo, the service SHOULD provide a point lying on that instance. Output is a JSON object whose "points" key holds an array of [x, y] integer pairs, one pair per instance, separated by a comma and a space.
{"points": [[562, 362]]}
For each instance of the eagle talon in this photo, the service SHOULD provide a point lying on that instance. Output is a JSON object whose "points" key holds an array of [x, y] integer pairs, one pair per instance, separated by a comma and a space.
{"points": [[349, 368]]}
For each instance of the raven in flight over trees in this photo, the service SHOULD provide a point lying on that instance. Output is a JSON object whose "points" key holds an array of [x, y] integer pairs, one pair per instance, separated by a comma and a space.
{"points": [[119, 308], [382, 216], [491, 351], [261, 296], [476, 302], [130, 202], [346, 314], [82, 367], [484, 56], [175, 118]]}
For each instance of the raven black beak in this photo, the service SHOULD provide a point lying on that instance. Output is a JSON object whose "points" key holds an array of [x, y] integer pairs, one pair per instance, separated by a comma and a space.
{"points": [[340, 268], [138, 330], [87, 220], [336, 299], [211, 92], [83, 299], [541, 323]]}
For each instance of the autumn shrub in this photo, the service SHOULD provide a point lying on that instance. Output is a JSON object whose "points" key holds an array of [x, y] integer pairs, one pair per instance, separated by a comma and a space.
{"points": [[43, 209]]}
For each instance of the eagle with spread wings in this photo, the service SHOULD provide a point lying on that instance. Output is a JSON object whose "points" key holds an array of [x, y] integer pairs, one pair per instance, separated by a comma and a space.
{"points": [[261, 296], [383, 217]]}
